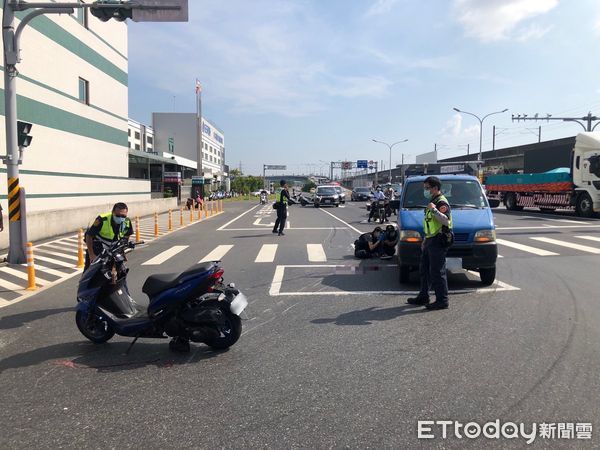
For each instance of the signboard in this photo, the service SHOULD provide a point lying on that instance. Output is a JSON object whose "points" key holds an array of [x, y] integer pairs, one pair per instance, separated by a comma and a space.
{"points": [[273, 167], [346, 165], [197, 180], [453, 168], [362, 164], [160, 11], [172, 177]]}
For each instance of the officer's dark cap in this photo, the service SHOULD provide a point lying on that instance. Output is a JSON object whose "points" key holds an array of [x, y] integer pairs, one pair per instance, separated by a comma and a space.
{"points": [[282, 183]]}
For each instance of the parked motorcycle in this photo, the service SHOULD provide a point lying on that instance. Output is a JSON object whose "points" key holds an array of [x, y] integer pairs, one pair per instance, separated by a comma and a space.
{"points": [[193, 305]]}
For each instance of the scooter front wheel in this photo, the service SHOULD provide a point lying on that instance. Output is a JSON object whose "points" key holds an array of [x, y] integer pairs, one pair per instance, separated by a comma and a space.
{"points": [[94, 328]]}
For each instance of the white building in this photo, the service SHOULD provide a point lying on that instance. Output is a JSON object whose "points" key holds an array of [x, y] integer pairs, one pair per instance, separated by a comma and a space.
{"points": [[73, 88]]}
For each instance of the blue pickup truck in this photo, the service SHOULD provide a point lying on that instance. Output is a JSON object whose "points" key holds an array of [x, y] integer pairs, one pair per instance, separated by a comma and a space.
{"points": [[473, 226]]}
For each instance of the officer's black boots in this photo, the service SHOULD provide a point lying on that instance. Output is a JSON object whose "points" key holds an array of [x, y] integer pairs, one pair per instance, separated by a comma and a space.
{"points": [[418, 301]]}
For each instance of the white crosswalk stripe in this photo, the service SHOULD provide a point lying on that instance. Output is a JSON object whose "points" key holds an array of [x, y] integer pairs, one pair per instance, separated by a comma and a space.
{"points": [[10, 286], [164, 256], [43, 269], [583, 248], [316, 253], [59, 254], [266, 253], [53, 261], [23, 276], [217, 254], [589, 238], [525, 248]]}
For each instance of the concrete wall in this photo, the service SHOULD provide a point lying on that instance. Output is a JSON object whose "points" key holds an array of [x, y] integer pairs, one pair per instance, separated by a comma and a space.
{"points": [[46, 224]]}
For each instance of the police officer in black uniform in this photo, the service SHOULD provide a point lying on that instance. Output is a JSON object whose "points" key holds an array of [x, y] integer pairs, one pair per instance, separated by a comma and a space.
{"points": [[282, 202], [436, 224]]}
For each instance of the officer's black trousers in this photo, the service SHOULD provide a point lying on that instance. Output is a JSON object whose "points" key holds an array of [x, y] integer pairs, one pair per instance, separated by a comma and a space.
{"points": [[281, 218], [433, 270]]}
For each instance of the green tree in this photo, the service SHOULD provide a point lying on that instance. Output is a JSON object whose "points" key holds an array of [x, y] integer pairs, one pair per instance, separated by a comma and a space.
{"points": [[308, 186]]}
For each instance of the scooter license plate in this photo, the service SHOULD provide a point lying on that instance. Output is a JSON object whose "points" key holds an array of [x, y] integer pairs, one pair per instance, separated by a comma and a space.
{"points": [[238, 304]]}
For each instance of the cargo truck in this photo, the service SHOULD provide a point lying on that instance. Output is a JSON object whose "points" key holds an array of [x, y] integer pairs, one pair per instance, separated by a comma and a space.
{"points": [[576, 187]]}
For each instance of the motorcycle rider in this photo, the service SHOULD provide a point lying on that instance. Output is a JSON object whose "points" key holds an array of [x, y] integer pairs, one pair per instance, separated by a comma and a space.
{"points": [[263, 197], [377, 196]]}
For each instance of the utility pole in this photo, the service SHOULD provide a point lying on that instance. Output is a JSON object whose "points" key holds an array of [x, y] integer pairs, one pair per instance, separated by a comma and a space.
{"points": [[481, 119], [390, 146], [139, 11], [585, 121]]}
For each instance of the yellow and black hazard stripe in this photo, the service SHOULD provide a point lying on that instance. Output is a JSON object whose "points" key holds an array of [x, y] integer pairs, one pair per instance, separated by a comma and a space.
{"points": [[14, 201]]}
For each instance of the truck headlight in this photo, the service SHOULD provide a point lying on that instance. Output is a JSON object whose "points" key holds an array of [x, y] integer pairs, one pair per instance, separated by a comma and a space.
{"points": [[485, 236], [410, 236]]}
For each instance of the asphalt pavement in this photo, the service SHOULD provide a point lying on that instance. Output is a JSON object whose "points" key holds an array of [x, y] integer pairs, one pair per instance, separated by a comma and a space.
{"points": [[331, 355]]}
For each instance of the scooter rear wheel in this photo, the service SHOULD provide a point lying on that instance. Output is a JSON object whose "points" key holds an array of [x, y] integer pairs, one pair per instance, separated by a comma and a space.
{"points": [[230, 332], [96, 330]]}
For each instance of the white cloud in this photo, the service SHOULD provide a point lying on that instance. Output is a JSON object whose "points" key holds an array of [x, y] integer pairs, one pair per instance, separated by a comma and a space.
{"points": [[454, 133], [380, 7], [494, 20], [257, 57]]}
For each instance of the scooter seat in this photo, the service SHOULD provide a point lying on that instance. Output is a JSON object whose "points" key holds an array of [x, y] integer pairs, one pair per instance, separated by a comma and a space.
{"points": [[155, 284]]}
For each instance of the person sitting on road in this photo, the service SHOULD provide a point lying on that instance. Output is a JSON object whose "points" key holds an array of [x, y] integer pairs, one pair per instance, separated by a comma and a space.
{"points": [[369, 244], [389, 243]]}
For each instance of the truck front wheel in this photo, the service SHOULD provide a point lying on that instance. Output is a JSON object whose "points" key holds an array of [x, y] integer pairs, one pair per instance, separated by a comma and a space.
{"points": [[511, 202], [584, 205]]}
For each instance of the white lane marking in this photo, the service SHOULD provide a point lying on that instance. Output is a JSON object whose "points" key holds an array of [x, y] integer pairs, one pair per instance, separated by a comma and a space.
{"points": [[23, 275], [548, 226], [526, 248], [162, 257], [316, 253], [258, 224], [217, 254], [571, 221], [583, 248], [10, 286], [53, 261], [289, 225], [344, 222], [589, 238], [58, 244], [236, 218], [266, 253], [48, 270], [301, 228], [275, 290], [62, 255], [500, 256]]}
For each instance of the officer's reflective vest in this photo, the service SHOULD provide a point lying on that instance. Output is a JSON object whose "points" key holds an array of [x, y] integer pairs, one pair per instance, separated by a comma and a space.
{"points": [[282, 199], [107, 233], [431, 226]]}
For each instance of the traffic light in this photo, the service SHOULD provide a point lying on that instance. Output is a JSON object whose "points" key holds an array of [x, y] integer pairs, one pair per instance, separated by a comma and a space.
{"points": [[23, 129], [111, 10]]}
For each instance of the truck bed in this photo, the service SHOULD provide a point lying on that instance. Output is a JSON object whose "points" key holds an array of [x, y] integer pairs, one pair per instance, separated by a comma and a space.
{"points": [[530, 182]]}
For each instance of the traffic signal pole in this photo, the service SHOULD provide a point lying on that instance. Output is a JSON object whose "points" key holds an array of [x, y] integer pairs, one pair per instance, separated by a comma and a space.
{"points": [[140, 10]]}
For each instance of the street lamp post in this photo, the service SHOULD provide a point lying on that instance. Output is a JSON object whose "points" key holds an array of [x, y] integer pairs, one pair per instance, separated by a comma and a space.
{"points": [[390, 147], [480, 124]]}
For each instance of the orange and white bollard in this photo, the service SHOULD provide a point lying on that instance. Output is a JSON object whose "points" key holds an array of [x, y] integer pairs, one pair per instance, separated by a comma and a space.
{"points": [[181, 217], [137, 230], [155, 224], [30, 268], [199, 213], [191, 215], [170, 221], [80, 259], [221, 206]]}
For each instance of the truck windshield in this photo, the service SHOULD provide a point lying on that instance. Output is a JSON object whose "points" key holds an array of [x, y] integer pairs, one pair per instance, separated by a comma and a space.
{"points": [[460, 194]]}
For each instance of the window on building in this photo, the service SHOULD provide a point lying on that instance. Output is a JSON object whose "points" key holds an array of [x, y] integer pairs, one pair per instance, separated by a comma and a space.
{"points": [[82, 16], [129, 132], [137, 146], [129, 142], [149, 140], [84, 91], [137, 135]]}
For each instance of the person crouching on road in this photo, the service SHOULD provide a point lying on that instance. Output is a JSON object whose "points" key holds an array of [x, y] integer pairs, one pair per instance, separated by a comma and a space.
{"points": [[107, 228], [369, 244], [389, 242], [281, 206], [436, 224]]}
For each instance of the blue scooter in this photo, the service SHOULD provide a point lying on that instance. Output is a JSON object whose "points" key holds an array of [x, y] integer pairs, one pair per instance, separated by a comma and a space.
{"points": [[193, 305]]}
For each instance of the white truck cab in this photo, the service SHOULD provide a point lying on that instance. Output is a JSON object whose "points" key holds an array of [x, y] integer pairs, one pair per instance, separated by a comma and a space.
{"points": [[585, 170]]}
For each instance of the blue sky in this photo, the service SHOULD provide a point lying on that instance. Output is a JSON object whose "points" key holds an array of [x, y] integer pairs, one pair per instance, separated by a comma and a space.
{"points": [[297, 82]]}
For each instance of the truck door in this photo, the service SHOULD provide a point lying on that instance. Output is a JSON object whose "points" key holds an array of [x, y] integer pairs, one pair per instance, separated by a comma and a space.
{"points": [[590, 167]]}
